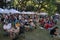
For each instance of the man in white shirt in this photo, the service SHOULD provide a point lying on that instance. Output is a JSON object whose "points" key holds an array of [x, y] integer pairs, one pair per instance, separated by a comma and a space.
{"points": [[7, 26]]}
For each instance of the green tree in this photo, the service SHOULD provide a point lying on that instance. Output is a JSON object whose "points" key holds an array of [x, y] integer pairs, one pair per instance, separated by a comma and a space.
{"points": [[2, 3], [51, 7], [36, 5], [48, 5]]}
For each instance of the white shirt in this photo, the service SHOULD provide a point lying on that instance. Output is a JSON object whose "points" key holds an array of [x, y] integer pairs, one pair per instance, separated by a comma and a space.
{"points": [[32, 24], [7, 27], [26, 20], [20, 16]]}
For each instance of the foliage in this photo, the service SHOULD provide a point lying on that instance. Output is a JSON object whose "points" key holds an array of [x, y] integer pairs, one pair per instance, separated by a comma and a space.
{"points": [[51, 7], [48, 6], [2, 3], [35, 5]]}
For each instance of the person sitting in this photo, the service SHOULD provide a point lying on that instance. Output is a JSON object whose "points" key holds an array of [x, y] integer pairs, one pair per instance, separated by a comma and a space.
{"points": [[53, 31], [7, 27], [46, 25], [14, 33], [22, 29], [17, 25], [32, 25]]}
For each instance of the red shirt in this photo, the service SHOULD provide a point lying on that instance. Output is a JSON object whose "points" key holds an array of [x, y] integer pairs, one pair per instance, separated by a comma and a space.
{"points": [[41, 21], [47, 25]]}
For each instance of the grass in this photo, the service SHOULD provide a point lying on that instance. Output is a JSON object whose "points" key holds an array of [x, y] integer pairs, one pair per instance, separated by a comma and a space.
{"points": [[37, 34]]}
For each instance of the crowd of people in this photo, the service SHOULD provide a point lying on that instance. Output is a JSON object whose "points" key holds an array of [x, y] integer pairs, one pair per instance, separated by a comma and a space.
{"points": [[49, 24], [16, 24]]}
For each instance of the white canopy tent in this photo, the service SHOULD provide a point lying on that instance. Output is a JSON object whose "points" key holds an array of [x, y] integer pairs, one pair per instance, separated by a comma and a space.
{"points": [[28, 12], [13, 11], [43, 13], [57, 14], [1, 10], [6, 11]]}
